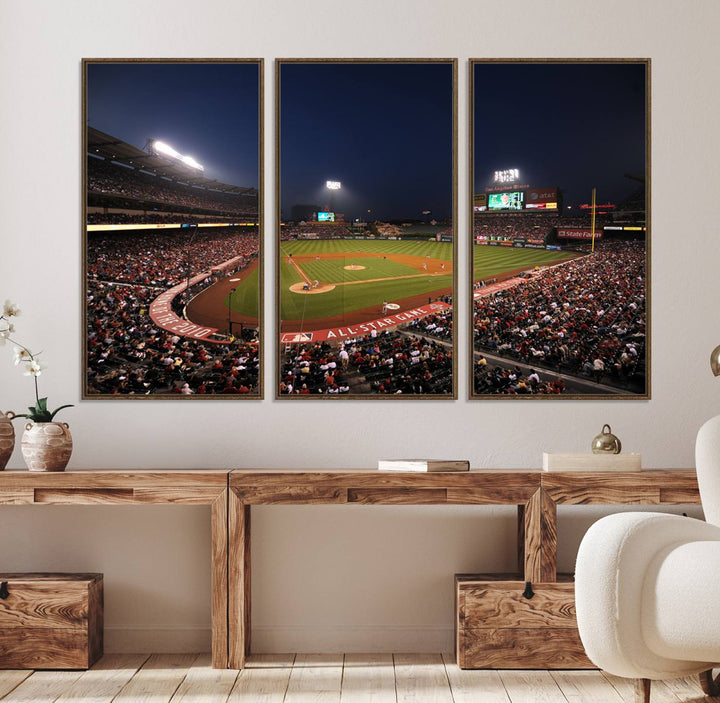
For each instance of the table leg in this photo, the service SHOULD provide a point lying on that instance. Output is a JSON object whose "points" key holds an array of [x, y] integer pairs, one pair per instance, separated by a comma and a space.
{"points": [[219, 614], [537, 538], [238, 581]]}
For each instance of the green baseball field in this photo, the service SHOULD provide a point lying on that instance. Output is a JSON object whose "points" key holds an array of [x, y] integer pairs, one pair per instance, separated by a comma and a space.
{"points": [[325, 280], [328, 282], [498, 262]]}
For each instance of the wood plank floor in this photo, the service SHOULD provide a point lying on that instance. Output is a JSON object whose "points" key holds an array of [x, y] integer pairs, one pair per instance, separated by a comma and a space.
{"points": [[323, 678]]}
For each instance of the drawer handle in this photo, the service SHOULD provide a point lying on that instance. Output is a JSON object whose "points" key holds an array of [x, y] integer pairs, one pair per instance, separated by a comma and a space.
{"points": [[528, 592], [3, 590]]}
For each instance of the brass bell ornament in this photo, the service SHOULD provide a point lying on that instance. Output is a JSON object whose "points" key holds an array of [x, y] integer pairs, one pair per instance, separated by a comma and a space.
{"points": [[606, 442]]}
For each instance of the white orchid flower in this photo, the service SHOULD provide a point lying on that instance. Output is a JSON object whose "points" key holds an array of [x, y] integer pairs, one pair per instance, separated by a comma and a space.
{"points": [[10, 309], [33, 368], [22, 355], [6, 328]]}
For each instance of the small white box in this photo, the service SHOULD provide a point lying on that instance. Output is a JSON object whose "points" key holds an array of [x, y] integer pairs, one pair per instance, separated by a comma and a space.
{"points": [[591, 462]]}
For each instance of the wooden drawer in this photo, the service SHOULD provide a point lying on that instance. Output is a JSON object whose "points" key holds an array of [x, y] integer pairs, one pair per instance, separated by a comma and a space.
{"points": [[498, 627], [50, 621]]}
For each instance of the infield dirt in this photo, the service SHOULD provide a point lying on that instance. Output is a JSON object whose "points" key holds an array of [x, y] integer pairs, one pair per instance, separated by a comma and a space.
{"points": [[425, 267]]}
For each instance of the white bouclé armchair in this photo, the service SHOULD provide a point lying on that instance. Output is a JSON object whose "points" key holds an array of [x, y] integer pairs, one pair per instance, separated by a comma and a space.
{"points": [[647, 586]]}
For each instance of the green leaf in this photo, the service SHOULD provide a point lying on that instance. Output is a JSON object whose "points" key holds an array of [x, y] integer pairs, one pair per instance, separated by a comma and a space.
{"points": [[42, 404], [57, 410]]}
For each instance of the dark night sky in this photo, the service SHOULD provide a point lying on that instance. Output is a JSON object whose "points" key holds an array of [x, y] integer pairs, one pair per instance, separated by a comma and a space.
{"points": [[384, 130], [576, 126], [204, 110]]}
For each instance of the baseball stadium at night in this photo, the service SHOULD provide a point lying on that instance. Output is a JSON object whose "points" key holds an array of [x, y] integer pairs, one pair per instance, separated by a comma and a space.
{"points": [[366, 234], [559, 229], [172, 235]]}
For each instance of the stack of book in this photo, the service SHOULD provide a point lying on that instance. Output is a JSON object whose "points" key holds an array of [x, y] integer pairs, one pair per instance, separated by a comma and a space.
{"points": [[423, 465], [591, 462]]}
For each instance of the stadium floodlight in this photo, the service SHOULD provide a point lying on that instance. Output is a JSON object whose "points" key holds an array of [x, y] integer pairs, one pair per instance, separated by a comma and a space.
{"points": [[155, 146], [333, 185], [509, 175], [163, 148], [189, 161]]}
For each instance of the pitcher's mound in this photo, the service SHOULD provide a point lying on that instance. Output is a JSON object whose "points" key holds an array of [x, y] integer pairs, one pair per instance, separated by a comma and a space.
{"points": [[322, 288], [353, 267]]}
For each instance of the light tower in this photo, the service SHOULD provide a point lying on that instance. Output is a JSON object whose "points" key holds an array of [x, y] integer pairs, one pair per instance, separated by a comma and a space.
{"points": [[332, 186]]}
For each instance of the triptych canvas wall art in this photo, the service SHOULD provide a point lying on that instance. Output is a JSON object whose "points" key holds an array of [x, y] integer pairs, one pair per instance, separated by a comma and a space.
{"points": [[365, 236]]}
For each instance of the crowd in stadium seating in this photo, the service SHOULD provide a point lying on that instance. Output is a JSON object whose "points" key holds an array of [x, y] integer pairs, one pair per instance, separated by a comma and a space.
{"points": [[585, 317], [108, 179], [126, 352], [314, 369], [387, 363], [513, 225], [510, 380], [160, 258], [151, 218], [385, 229], [394, 362], [313, 230], [584, 221], [128, 355], [439, 325]]}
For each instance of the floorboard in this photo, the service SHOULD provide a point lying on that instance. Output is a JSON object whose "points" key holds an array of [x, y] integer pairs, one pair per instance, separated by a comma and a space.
{"points": [[586, 687], [315, 678], [203, 684], [105, 680], [531, 687], [42, 687], [659, 691], [158, 680], [474, 685], [11, 679], [324, 678], [368, 678], [264, 680], [421, 677]]}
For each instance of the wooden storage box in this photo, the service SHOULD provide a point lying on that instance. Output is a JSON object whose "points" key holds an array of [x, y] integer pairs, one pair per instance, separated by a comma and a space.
{"points": [[497, 627], [50, 621]]}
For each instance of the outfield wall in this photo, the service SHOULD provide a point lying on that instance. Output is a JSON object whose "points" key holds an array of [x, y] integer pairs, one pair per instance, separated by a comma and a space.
{"points": [[339, 334]]}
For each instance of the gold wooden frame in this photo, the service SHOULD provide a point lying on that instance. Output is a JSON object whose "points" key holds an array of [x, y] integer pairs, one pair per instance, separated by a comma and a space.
{"points": [[259, 391], [277, 342], [471, 186]]}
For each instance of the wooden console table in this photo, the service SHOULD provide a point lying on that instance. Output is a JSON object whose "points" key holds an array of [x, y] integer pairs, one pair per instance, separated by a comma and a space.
{"points": [[231, 495], [201, 487], [537, 495]]}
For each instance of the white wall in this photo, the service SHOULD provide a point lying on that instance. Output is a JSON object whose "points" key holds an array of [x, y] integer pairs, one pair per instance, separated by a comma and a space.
{"points": [[368, 577]]}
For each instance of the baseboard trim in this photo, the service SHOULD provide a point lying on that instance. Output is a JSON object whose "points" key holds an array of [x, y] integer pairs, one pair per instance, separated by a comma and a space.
{"points": [[147, 640], [277, 640], [352, 639]]}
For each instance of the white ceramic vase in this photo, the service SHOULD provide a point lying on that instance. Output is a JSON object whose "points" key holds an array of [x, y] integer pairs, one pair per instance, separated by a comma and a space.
{"points": [[7, 437], [46, 446]]}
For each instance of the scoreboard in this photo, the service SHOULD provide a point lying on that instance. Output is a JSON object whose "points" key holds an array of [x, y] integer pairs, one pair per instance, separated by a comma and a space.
{"points": [[512, 200]]}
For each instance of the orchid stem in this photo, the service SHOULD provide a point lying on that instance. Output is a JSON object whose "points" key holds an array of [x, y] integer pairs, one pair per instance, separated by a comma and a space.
{"points": [[30, 355]]}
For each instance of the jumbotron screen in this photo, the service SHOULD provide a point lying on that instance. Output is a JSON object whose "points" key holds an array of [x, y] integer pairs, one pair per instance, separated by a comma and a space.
{"points": [[505, 201], [326, 217]]}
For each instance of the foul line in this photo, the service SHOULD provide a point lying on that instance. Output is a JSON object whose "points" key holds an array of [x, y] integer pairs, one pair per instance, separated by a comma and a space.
{"points": [[369, 280], [300, 271]]}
